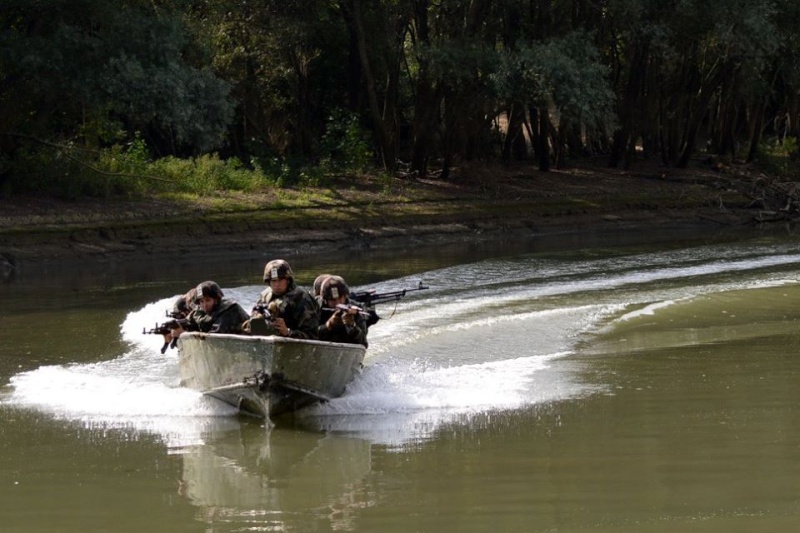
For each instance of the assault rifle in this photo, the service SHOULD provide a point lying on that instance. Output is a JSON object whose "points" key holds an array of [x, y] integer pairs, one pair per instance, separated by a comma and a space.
{"points": [[367, 299], [165, 331]]}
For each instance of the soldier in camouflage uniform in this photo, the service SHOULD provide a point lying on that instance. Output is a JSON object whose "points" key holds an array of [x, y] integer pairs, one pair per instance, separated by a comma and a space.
{"points": [[214, 313], [339, 324], [284, 308], [316, 288], [185, 304]]}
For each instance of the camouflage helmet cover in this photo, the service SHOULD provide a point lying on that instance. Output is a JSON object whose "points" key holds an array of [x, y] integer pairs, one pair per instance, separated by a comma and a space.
{"points": [[208, 289], [190, 298], [182, 305], [277, 269], [186, 303], [316, 289], [334, 287]]}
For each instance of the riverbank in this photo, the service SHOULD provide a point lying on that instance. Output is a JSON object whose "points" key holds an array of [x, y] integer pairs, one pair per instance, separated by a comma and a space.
{"points": [[477, 203]]}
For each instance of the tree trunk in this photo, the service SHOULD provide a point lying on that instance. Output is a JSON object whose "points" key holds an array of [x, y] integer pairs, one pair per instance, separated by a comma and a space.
{"points": [[384, 140], [542, 148], [628, 108], [514, 133], [426, 102], [756, 128], [793, 114]]}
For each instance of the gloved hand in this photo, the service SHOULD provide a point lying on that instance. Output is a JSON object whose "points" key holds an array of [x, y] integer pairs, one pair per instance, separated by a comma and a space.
{"points": [[349, 319], [335, 320]]}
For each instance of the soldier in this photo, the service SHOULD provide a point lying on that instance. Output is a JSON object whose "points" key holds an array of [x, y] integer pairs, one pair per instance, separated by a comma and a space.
{"points": [[340, 321], [185, 304], [293, 312], [214, 313], [181, 309], [316, 289]]}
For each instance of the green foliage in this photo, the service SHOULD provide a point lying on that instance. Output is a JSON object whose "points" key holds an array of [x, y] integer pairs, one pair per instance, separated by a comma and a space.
{"points": [[459, 63], [345, 144], [386, 182], [66, 173], [285, 63], [82, 69], [779, 157], [127, 89], [564, 73], [208, 174]]}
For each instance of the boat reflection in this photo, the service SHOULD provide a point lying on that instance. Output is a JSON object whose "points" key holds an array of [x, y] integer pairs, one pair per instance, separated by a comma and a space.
{"points": [[276, 477]]}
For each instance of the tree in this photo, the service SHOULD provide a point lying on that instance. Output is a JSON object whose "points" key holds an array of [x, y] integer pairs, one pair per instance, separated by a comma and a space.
{"points": [[562, 78], [88, 70]]}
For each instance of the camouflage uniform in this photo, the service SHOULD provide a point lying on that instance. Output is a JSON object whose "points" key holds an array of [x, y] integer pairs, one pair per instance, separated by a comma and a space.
{"points": [[355, 334], [297, 308], [226, 317]]}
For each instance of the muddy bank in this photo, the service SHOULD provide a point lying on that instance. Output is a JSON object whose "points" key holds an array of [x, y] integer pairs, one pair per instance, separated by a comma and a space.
{"points": [[89, 256], [40, 233], [236, 234]]}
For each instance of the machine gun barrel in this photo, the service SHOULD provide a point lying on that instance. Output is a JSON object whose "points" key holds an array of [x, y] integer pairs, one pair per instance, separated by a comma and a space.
{"points": [[370, 297]]}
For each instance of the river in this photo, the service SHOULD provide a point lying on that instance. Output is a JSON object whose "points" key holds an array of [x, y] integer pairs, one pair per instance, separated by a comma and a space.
{"points": [[636, 383]]}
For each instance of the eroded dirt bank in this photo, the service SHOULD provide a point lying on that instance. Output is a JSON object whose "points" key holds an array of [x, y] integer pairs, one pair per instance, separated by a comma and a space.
{"points": [[484, 204]]}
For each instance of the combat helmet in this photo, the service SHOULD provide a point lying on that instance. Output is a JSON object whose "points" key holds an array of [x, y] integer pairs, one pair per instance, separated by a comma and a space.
{"points": [[316, 288], [277, 269], [208, 289], [181, 306], [334, 287], [190, 298], [186, 303]]}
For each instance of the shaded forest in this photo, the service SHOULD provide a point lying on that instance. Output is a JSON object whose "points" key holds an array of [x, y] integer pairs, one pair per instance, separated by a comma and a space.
{"points": [[127, 89]]}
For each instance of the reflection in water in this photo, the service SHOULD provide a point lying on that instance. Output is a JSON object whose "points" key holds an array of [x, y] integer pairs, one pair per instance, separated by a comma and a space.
{"points": [[278, 480]]}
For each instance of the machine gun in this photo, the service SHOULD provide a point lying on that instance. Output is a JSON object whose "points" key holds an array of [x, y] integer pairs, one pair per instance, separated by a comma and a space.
{"points": [[165, 330], [367, 299]]}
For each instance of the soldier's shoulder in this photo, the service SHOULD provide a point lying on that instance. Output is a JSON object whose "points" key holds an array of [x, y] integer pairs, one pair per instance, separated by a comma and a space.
{"points": [[299, 293]]}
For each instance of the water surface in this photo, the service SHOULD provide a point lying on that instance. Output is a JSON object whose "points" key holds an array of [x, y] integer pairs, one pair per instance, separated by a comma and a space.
{"points": [[596, 386]]}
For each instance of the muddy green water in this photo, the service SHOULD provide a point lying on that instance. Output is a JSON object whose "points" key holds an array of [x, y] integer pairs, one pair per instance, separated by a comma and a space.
{"points": [[552, 385]]}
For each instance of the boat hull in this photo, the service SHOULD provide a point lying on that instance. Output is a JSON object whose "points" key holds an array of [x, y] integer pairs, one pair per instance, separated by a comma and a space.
{"points": [[267, 376]]}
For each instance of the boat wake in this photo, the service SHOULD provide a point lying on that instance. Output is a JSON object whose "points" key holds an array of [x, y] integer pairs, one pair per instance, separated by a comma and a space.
{"points": [[486, 337]]}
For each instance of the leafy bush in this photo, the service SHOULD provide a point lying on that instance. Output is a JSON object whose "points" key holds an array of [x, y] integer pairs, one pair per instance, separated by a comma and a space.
{"points": [[63, 173], [208, 173], [779, 157], [345, 144], [69, 172]]}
